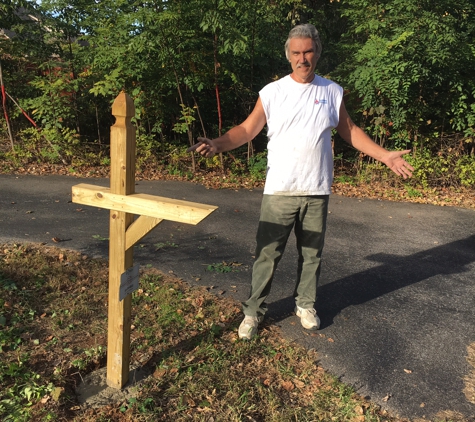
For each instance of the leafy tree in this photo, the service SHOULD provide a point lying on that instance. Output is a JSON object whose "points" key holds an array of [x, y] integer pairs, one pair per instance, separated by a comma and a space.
{"points": [[194, 67], [410, 67]]}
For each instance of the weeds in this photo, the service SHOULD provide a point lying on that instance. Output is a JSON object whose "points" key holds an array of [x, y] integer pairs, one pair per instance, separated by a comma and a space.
{"points": [[223, 267], [163, 245]]}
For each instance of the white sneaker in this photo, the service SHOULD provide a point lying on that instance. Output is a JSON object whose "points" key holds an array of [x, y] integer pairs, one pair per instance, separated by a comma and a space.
{"points": [[308, 318], [248, 327]]}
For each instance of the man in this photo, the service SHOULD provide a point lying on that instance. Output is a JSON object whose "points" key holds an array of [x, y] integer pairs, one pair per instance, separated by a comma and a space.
{"points": [[300, 111]]}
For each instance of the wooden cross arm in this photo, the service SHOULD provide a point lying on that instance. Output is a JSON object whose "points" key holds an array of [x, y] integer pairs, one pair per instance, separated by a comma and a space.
{"points": [[142, 204]]}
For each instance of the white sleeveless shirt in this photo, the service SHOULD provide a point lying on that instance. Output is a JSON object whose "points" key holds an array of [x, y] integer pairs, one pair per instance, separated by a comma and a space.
{"points": [[300, 118]]}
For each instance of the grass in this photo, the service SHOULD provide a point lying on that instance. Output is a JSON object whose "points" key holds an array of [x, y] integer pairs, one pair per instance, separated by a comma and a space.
{"points": [[52, 312]]}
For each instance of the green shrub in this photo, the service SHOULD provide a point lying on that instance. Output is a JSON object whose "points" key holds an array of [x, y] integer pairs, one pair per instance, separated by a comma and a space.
{"points": [[258, 166], [465, 170]]}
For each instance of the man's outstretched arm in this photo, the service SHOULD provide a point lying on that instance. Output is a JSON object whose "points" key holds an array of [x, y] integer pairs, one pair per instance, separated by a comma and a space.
{"points": [[357, 138], [235, 137]]}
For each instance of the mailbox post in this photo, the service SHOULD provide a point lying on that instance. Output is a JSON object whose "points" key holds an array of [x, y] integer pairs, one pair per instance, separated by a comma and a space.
{"points": [[126, 230]]}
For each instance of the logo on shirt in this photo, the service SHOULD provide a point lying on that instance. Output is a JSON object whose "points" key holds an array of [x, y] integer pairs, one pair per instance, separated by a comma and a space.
{"points": [[321, 102]]}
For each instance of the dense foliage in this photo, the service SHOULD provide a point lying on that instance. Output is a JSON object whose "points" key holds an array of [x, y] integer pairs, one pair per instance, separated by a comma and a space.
{"points": [[194, 67]]}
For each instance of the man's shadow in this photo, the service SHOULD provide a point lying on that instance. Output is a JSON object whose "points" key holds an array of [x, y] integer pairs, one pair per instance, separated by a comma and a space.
{"points": [[394, 273]]}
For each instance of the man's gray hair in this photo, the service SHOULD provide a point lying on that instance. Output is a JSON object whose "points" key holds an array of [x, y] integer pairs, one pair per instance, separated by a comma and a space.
{"points": [[306, 30]]}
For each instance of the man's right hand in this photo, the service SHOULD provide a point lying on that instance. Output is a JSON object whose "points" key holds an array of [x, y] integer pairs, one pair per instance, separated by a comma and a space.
{"points": [[235, 137], [206, 147]]}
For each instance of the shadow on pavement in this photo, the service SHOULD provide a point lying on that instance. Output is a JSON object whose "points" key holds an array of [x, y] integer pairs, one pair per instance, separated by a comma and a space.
{"points": [[395, 272]]}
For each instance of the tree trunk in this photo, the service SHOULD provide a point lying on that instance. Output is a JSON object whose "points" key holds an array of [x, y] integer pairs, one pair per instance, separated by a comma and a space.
{"points": [[218, 100]]}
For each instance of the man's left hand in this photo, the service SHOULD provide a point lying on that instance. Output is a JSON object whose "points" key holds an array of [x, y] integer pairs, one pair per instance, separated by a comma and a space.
{"points": [[397, 164]]}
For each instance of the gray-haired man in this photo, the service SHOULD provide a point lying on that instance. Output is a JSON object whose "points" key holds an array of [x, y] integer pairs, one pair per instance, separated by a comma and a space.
{"points": [[300, 111]]}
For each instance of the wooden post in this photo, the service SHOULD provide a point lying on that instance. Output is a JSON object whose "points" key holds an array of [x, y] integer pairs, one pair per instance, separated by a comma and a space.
{"points": [[124, 203], [122, 182]]}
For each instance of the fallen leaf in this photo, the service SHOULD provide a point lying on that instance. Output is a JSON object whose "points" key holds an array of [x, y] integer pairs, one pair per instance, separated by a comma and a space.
{"points": [[159, 373], [189, 401], [407, 371], [288, 385], [387, 397], [56, 239], [56, 393]]}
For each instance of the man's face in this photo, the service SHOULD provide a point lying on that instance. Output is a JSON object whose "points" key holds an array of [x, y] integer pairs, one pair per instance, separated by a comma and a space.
{"points": [[303, 59]]}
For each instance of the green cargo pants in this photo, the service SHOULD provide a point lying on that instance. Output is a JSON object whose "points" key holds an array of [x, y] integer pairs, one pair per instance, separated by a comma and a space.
{"points": [[307, 215]]}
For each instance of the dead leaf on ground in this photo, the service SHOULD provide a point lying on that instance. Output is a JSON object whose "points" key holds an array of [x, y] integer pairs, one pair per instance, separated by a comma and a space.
{"points": [[159, 373], [288, 385], [189, 401]]}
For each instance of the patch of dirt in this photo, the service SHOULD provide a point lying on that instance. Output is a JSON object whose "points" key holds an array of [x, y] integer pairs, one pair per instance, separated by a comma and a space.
{"points": [[450, 416], [469, 389]]}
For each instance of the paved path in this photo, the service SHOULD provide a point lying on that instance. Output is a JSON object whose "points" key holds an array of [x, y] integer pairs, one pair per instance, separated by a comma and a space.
{"points": [[397, 289]]}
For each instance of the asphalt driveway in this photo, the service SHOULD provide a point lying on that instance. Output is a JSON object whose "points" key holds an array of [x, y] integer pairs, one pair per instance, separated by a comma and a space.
{"points": [[397, 290]]}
